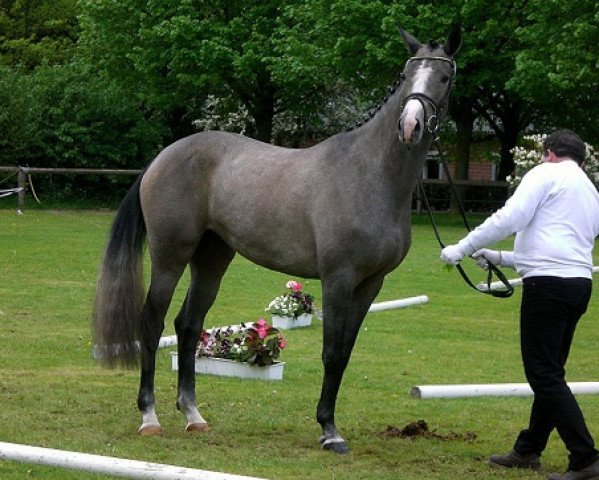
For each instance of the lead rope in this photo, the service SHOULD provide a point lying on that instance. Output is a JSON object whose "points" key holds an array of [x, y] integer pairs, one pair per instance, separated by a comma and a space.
{"points": [[492, 268]]}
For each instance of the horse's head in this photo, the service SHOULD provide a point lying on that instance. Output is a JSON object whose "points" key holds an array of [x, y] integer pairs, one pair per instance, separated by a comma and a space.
{"points": [[428, 78]]}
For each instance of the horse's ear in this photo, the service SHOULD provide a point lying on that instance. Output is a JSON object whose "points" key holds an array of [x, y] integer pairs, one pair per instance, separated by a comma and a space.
{"points": [[412, 44], [454, 40]]}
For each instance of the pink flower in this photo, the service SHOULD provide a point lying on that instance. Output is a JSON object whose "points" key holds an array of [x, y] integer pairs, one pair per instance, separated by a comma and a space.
{"points": [[282, 343], [261, 328], [293, 285]]}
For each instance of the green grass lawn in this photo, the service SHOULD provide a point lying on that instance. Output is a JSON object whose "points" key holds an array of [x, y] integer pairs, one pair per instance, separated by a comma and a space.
{"points": [[53, 395]]}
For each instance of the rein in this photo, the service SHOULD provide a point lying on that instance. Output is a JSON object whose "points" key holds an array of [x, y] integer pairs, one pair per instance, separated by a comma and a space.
{"points": [[432, 125], [493, 269]]}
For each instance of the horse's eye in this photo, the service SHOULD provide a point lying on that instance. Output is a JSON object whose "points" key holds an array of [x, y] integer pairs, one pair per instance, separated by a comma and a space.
{"points": [[445, 78]]}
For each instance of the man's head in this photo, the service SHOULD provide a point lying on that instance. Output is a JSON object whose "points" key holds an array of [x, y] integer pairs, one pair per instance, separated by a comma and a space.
{"points": [[565, 143]]}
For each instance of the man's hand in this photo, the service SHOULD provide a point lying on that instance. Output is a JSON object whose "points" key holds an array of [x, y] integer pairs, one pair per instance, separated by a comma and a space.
{"points": [[481, 256], [452, 254]]}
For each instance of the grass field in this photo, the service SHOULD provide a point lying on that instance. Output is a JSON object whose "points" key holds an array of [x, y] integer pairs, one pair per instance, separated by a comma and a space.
{"points": [[52, 394]]}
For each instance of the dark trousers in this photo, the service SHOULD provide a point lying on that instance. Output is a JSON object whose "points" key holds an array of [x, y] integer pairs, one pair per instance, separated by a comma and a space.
{"points": [[550, 310]]}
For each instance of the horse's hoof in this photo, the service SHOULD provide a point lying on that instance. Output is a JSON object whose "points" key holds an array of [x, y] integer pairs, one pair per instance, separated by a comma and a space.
{"points": [[150, 430], [197, 427], [335, 446]]}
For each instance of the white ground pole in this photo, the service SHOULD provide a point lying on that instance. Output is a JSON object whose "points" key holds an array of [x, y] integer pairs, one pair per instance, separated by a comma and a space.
{"points": [[119, 467], [171, 340], [483, 287], [401, 303], [491, 389]]}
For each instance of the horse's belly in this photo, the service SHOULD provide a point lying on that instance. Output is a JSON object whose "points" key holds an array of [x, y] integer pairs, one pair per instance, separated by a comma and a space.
{"points": [[283, 251]]}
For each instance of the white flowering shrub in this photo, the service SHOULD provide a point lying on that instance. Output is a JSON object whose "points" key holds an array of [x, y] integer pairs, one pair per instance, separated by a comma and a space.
{"points": [[529, 156], [215, 116]]}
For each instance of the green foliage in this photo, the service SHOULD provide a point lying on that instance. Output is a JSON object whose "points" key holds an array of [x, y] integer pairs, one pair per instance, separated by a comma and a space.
{"points": [[557, 67], [184, 51], [20, 115], [74, 117], [109, 82], [36, 32]]}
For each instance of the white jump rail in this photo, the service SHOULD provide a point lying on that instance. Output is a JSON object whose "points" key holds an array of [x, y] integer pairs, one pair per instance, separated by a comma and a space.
{"points": [[171, 340], [401, 303], [492, 389], [168, 341], [119, 467], [515, 282]]}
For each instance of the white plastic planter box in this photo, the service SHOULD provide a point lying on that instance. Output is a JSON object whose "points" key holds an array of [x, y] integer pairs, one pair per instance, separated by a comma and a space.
{"points": [[231, 368], [287, 323]]}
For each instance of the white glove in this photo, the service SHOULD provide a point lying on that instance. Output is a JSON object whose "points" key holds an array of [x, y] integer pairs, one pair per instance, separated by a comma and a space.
{"points": [[481, 256], [452, 254]]}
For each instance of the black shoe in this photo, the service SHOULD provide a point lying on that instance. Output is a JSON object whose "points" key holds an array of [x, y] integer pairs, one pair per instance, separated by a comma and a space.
{"points": [[588, 473], [513, 459]]}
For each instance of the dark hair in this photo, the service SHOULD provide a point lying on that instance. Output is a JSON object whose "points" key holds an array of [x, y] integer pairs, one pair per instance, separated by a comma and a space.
{"points": [[565, 143]]}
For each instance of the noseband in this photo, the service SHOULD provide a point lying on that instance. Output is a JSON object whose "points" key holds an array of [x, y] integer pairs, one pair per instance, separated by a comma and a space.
{"points": [[432, 122]]}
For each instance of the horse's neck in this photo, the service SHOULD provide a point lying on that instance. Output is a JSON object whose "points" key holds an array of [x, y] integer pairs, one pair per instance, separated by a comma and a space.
{"points": [[390, 159]]}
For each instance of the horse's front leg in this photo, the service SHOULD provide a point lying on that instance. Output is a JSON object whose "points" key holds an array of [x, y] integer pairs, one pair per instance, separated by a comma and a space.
{"points": [[344, 308]]}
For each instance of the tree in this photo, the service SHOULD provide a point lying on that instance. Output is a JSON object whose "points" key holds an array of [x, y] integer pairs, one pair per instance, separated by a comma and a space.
{"points": [[177, 53], [71, 116], [557, 66], [35, 32]]}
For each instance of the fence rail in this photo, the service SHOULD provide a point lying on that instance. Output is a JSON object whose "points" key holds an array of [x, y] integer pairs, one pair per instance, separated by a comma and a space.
{"points": [[438, 202], [24, 172]]}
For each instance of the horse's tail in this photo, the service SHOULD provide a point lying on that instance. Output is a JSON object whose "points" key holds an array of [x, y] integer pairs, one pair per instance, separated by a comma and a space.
{"points": [[120, 288]]}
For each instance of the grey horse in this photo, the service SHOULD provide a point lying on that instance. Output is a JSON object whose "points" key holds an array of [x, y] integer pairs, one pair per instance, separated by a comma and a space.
{"points": [[338, 211]]}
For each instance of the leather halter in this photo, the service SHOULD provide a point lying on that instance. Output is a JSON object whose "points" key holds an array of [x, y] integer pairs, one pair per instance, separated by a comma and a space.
{"points": [[432, 122]]}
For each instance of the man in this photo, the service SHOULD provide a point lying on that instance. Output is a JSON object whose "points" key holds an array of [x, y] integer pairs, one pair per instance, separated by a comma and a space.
{"points": [[555, 215]]}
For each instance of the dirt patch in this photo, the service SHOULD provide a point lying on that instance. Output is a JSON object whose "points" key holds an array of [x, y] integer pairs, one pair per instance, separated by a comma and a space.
{"points": [[420, 429]]}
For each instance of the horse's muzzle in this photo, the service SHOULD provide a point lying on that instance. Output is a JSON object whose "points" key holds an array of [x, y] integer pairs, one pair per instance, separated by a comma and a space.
{"points": [[411, 123]]}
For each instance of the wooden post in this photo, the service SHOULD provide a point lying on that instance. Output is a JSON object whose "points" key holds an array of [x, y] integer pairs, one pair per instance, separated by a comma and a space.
{"points": [[22, 184]]}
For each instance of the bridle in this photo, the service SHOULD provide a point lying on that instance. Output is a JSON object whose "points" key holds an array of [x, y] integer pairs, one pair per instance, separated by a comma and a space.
{"points": [[438, 110], [432, 125]]}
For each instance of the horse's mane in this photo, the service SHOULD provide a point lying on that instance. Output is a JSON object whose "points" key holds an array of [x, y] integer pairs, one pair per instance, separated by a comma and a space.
{"points": [[373, 111], [432, 45]]}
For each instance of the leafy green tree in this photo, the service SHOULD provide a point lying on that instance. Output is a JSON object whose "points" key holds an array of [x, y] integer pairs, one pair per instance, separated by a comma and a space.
{"points": [[20, 114], [70, 116], [557, 66], [177, 53], [357, 42], [35, 32]]}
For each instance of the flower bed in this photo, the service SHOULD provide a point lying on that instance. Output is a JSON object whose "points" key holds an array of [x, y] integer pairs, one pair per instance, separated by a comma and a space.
{"points": [[292, 309], [232, 368], [246, 352], [287, 323]]}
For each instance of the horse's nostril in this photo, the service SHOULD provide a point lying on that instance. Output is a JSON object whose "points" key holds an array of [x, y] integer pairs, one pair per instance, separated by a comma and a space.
{"points": [[416, 132]]}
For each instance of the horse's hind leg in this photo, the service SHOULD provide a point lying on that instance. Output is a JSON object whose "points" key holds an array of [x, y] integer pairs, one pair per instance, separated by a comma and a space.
{"points": [[208, 265], [160, 293]]}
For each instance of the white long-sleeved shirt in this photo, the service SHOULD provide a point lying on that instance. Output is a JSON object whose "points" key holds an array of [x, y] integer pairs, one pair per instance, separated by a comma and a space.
{"points": [[555, 215]]}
